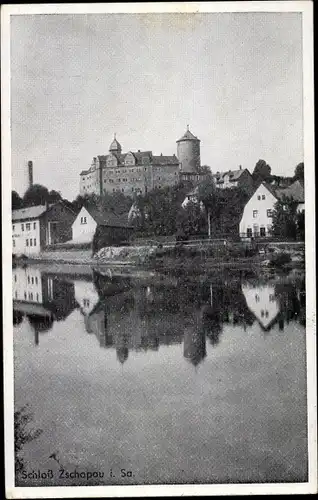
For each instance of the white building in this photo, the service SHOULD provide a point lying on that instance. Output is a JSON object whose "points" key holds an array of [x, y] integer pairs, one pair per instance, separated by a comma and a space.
{"points": [[262, 302], [27, 285], [192, 197], [86, 296], [33, 228], [89, 217], [258, 212], [26, 230]]}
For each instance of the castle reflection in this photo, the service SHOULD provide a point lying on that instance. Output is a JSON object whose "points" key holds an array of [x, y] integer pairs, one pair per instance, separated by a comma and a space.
{"points": [[128, 313]]}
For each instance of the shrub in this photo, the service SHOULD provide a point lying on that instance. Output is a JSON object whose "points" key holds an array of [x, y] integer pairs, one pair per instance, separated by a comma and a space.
{"points": [[280, 259]]}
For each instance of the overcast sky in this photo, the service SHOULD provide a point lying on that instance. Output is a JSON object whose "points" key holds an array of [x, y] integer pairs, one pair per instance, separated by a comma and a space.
{"points": [[236, 79]]}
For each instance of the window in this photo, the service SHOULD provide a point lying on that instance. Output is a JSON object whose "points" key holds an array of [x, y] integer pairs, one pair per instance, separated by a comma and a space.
{"points": [[257, 299], [34, 242], [22, 227], [29, 279], [263, 196], [28, 227], [31, 294], [15, 278], [262, 231], [30, 242], [83, 220], [13, 227], [86, 302], [34, 225], [249, 232], [272, 298], [32, 280], [27, 242], [25, 295], [262, 313], [13, 243], [258, 197], [255, 214], [36, 280], [269, 212], [37, 297]]}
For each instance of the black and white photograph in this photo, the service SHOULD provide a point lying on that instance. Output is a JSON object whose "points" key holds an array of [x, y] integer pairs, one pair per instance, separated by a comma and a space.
{"points": [[158, 197]]}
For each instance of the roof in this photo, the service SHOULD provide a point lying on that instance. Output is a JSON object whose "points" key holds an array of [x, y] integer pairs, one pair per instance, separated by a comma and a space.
{"points": [[188, 136], [165, 160], [28, 213], [295, 191], [107, 218], [115, 146], [234, 174], [84, 172]]}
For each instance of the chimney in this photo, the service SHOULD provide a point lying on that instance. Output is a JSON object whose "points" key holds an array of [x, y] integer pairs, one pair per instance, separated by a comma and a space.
{"points": [[30, 171]]}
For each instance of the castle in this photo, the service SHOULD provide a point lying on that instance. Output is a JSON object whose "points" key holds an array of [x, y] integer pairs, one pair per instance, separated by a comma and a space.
{"points": [[140, 172]]}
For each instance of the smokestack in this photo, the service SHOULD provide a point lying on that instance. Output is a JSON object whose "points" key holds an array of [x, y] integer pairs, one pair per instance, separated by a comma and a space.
{"points": [[30, 169]]}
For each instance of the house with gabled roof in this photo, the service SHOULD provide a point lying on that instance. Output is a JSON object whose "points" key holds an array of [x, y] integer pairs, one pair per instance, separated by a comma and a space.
{"points": [[241, 178], [34, 228], [257, 216], [113, 229]]}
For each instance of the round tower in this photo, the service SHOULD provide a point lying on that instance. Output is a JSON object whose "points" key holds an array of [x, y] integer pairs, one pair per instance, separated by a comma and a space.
{"points": [[188, 152], [115, 147]]}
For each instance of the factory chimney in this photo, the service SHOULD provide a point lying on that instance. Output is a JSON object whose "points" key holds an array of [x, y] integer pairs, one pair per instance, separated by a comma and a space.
{"points": [[30, 170]]}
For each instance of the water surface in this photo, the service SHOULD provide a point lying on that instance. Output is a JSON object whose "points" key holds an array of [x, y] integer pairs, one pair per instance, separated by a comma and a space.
{"points": [[178, 379]]}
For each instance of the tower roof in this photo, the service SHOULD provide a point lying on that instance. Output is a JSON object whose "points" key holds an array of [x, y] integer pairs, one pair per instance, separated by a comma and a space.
{"points": [[115, 146], [188, 136]]}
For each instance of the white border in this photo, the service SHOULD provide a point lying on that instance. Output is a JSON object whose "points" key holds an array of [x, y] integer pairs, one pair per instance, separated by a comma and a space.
{"points": [[306, 8]]}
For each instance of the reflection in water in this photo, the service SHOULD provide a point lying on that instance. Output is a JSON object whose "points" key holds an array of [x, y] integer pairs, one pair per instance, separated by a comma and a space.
{"points": [[155, 369], [127, 313]]}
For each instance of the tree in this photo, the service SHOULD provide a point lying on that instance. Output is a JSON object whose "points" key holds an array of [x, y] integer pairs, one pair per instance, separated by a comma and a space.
{"points": [[262, 171], [205, 169], [299, 172], [16, 201], [284, 223], [190, 221], [36, 195], [54, 196]]}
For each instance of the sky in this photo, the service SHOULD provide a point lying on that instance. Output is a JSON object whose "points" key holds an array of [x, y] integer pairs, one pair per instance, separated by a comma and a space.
{"points": [[235, 78]]}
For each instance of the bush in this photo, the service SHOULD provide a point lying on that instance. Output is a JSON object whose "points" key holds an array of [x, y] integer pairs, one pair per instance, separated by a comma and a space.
{"points": [[280, 259]]}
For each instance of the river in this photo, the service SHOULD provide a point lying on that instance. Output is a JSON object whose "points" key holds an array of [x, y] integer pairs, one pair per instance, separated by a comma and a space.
{"points": [[160, 378]]}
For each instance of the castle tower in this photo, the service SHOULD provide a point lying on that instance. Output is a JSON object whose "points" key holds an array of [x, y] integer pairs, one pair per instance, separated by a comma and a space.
{"points": [[188, 152], [115, 147]]}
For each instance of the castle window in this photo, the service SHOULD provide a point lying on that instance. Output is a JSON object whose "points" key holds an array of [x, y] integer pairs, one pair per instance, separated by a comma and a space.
{"points": [[34, 242], [263, 196], [27, 242], [259, 197], [255, 214], [31, 244]]}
